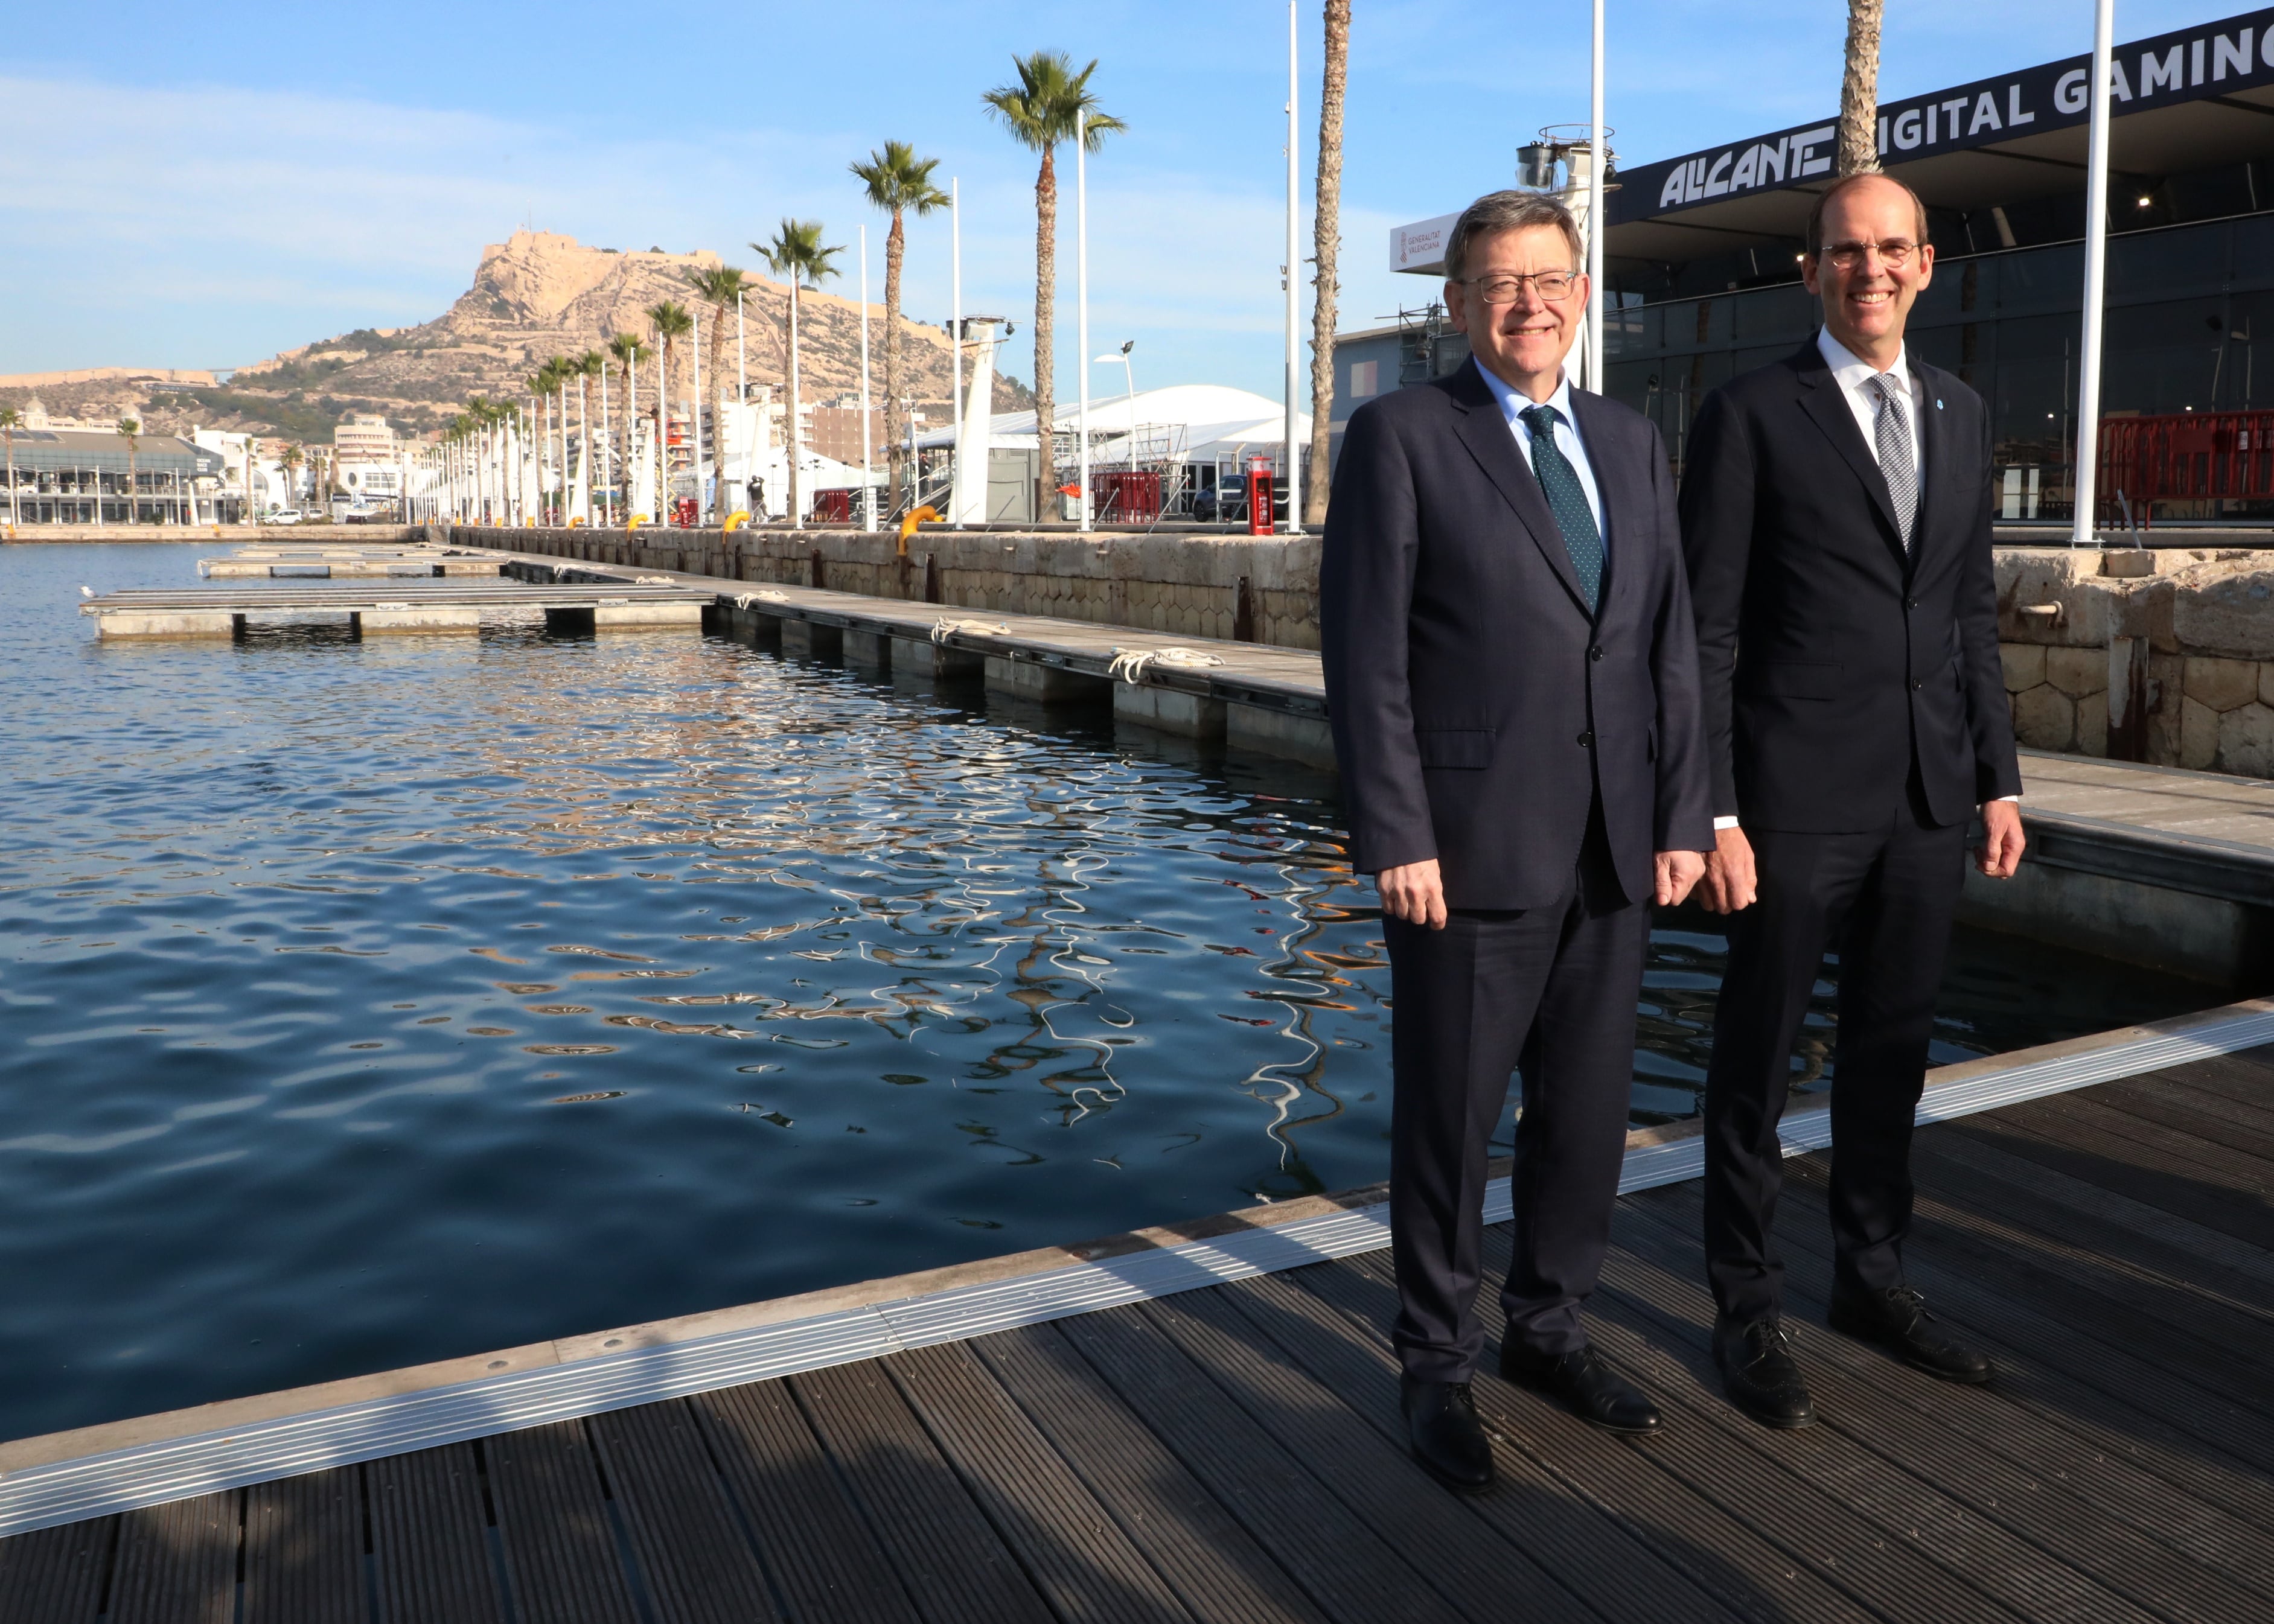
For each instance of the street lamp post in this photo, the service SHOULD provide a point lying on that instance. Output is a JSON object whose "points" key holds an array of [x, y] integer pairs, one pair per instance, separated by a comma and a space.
{"points": [[2096, 275]]}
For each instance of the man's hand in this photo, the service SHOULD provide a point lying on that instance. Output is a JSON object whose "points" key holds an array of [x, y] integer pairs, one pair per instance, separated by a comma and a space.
{"points": [[1730, 880], [1677, 872], [2002, 839], [1414, 892]]}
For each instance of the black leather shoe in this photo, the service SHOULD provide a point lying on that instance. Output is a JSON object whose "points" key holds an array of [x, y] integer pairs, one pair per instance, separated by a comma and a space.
{"points": [[1446, 1437], [1583, 1383], [1759, 1374], [1896, 1320]]}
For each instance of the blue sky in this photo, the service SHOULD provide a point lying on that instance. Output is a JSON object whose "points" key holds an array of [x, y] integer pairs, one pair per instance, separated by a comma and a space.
{"points": [[193, 187]]}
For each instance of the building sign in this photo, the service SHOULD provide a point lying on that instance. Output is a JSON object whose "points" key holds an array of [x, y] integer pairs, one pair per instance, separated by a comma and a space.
{"points": [[1421, 246], [2213, 59]]}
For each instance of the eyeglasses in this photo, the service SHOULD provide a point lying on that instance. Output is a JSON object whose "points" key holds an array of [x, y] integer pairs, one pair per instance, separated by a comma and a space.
{"points": [[1504, 287], [1895, 253]]}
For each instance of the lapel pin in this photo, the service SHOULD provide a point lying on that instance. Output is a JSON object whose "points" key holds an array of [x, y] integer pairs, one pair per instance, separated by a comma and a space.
{"points": [[1938, 405]]}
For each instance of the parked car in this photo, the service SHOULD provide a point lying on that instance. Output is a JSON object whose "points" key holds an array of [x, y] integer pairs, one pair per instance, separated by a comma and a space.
{"points": [[1226, 502], [284, 516]]}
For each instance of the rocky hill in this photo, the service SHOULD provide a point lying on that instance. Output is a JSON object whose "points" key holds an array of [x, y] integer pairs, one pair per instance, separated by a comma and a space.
{"points": [[534, 296]]}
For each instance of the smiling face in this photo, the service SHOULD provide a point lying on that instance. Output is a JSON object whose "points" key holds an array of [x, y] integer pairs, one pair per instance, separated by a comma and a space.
{"points": [[1523, 344], [1866, 303]]}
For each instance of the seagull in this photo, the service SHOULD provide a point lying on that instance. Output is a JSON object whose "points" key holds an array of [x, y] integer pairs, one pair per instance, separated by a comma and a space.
{"points": [[86, 591]]}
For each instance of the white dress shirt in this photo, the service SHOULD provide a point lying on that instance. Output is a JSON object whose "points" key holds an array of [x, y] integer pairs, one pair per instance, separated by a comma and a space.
{"points": [[1514, 403], [1854, 377]]}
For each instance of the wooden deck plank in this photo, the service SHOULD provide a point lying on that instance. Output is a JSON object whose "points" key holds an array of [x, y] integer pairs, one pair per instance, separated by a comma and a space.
{"points": [[1599, 1513], [55, 1575], [1470, 1560], [1840, 1548], [552, 1520], [1077, 1554], [2244, 1079], [177, 1563], [698, 1565], [430, 1539], [2226, 1357], [1200, 1548], [2228, 1123], [955, 1565], [1348, 1570], [303, 1550], [2052, 1459], [2112, 1162], [2114, 1398], [2210, 1258], [1858, 1397], [824, 1562]]}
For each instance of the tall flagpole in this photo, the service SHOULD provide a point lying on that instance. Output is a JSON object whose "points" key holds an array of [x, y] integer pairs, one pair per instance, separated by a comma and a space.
{"points": [[868, 490], [1289, 462], [1597, 373], [2096, 275], [695, 417], [955, 330], [1081, 300]]}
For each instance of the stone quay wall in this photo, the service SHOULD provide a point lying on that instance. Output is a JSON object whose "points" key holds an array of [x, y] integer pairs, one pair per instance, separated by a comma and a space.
{"points": [[1238, 588], [2163, 655]]}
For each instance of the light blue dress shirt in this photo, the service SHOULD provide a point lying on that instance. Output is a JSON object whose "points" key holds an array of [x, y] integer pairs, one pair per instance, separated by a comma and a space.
{"points": [[1568, 439]]}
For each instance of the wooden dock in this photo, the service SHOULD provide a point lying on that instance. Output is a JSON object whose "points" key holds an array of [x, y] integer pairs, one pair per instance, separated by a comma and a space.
{"points": [[410, 606], [347, 563], [1233, 1452]]}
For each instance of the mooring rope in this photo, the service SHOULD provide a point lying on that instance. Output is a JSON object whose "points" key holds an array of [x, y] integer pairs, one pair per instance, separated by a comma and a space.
{"points": [[743, 600], [946, 628], [1129, 664]]}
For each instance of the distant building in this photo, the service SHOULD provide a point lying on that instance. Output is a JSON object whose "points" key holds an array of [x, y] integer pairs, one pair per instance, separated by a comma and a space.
{"points": [[838, 432], [80, 477], [368, 461]]}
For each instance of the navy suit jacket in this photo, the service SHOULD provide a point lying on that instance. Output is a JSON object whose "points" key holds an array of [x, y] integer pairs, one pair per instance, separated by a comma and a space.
{"points": [[1836, 663], [1477, 709]]}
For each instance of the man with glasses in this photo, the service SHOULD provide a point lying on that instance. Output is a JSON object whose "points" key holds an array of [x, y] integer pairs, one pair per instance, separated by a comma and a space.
{"points": [[1513, 681], [1835, 510]]}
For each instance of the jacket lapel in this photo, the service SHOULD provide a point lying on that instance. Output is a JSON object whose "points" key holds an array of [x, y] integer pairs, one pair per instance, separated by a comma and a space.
{"points": [[1489, 439], [1935, 450], [1623, 499], [1828, 407]]}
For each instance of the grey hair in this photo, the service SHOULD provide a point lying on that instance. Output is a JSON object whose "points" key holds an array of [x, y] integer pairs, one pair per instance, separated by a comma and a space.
{"points": [[1509, 211]]}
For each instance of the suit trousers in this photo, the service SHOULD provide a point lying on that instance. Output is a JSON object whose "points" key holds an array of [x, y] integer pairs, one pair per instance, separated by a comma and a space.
{"points": [[1550, 991], [1885, 899]]}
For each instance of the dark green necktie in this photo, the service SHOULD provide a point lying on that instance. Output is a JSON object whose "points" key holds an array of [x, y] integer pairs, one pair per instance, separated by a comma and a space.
{"points": [[1566, 500]]}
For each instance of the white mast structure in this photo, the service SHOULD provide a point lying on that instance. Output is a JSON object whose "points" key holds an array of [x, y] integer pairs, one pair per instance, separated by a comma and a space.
{"points": [[955, 328], [2096, 279], [868, 490], [1596, 374], [1289, 459], [1081, 303]]}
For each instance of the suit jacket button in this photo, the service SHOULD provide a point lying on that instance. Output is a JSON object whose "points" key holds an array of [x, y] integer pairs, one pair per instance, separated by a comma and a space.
{"points": [[1586, 741], [1595, 653], [1917, 684]]}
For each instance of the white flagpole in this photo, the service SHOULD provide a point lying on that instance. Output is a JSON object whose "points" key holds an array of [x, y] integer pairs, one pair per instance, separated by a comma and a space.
{"points": [[955, 330], [1081, 300], [868, 491], [695, 418], [2096, 275], [1289, 460], [1597, 374]]}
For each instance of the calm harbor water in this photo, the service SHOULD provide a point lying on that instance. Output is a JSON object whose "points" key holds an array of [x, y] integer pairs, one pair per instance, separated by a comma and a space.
{"points": [[365, 1003]]}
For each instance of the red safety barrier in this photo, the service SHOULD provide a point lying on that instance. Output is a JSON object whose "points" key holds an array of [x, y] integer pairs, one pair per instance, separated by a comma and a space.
{"points": [[1126, 495], [833, 506], [2186, 456], [1258, 496]]}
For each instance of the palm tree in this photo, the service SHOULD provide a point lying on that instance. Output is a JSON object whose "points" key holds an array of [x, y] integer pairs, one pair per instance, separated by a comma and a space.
{"points": [[796, 253], [672, 323], [721, 289], [897, 182], [10, 420], [1859, 90], [625, 347], [1039, 111], [540, 384], [583, 369], [1327, 243], [291, 464], [130, 431]]}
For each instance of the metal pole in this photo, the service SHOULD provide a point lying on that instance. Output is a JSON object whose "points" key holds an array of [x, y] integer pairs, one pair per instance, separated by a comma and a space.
{"points": [[695, 417], [1288, 463], [2095, 272], [955, 330], [1082, 302], [796, 434], [1596, 374], [868, 490]]}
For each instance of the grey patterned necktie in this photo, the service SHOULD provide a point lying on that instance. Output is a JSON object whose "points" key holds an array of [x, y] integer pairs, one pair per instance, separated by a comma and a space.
{"points": [[1567, 499], [1897, 461]]}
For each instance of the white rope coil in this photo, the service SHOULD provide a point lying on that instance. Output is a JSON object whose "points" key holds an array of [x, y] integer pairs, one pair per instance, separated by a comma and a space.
{"points": [[743, 600], [944, 629], [1129, 664], [651, 581]]}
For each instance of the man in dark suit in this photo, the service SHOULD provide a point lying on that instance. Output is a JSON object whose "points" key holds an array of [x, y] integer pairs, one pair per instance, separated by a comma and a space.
{"points": [[1512, 676], [1835, 509]]}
